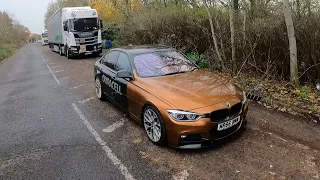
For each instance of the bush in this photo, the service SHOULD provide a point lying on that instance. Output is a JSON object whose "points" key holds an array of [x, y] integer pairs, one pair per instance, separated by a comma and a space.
{"points": [[199, 59], [6, 50], [264, 43], [109, 33]]}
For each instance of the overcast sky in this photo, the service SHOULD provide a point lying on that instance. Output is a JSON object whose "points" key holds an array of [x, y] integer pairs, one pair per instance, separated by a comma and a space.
{"points": [[29, 13]]}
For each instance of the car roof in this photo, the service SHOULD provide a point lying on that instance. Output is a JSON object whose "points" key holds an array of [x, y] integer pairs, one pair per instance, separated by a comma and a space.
{"points": [[140, 49]]}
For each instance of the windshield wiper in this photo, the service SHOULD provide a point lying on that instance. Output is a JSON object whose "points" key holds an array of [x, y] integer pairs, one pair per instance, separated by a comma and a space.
{"points": [[195, 68], [174, 73]]}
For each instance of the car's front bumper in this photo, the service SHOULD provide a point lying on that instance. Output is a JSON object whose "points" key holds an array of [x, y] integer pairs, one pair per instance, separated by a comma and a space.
{"points": [[201, 133], [202, 142]]}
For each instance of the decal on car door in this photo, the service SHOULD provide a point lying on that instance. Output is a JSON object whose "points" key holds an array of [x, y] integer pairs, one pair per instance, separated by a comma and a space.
{"points": [[112, 84]]}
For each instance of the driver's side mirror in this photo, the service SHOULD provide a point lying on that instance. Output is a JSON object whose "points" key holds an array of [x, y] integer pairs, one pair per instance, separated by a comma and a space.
{"points": [[124, 74]]}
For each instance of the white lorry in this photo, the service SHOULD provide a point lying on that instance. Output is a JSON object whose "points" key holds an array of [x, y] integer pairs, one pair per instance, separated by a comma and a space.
{"points": [[44, 38], [75, 30]]}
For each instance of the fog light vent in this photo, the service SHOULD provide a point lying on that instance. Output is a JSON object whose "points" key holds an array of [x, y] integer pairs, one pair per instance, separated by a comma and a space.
{"points": [[191, 137]]}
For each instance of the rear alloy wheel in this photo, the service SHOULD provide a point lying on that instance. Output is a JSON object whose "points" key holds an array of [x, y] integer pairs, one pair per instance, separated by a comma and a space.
{"points": [[154, 126], [99, 92]]}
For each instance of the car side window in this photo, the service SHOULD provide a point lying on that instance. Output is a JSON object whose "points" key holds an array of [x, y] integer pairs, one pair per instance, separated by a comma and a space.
{"points": [[104, 59], [111, 59], [123, 62]]}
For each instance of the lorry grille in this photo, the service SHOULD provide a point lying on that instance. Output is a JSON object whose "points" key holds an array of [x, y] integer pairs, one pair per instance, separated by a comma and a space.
{"points": [[89, 40]]}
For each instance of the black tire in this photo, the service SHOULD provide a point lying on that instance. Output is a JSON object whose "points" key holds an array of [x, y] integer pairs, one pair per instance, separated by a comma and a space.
{"points": [[244, 124], [96, 54], [99, 90], [163, 136], [69, 56], [60, 51]]}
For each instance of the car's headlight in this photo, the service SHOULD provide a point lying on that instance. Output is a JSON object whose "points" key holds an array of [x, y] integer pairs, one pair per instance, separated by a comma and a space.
{"points": [[180, 115], [244, 97]]}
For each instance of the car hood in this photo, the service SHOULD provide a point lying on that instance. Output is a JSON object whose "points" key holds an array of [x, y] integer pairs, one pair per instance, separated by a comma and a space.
{"points": [[192, 90]]}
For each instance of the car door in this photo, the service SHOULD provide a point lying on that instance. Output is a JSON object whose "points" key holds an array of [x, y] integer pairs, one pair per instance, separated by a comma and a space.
{"points": [[108, 73], [123, 63]]}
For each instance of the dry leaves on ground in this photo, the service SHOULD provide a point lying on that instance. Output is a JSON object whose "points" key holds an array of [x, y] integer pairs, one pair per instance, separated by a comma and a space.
{"points": [[305, 97]]}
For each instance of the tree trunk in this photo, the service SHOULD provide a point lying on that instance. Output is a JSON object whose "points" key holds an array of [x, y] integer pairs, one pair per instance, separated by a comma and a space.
{"points": [[252, 8], [232, 30], [298, 5], [221, 40], [214, 35], [292, 43], [165, 3], [244, 35]]}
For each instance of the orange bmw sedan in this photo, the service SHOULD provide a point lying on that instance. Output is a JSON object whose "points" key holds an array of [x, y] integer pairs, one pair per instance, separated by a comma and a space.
{"points": [[177, 102]]}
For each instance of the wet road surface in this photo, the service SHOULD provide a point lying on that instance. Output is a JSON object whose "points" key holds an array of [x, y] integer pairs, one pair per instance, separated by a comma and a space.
{"points": [[53, 127]]}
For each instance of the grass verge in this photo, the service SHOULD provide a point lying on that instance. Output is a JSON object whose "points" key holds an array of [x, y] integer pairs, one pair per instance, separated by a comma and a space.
{"points": [[6, 50]]}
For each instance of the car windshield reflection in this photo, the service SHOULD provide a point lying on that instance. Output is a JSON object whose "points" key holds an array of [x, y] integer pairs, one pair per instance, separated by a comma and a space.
{"points": [[162, 63]]}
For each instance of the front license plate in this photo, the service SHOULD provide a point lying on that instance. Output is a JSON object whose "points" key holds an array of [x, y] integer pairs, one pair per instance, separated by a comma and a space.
{"points": [[83, 48], [228, 124]]}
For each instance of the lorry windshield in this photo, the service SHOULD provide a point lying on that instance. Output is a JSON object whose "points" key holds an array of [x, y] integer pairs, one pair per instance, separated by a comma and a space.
{"points": [[44, 35], [84, 24]]}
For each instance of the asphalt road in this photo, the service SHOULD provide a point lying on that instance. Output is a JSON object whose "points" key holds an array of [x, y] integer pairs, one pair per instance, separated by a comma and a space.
{"points": [[53, 127]]}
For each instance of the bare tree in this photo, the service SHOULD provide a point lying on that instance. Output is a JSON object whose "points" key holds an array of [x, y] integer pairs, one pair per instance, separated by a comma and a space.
{"points": [[292, 43], [213, 35], [232, 30]]}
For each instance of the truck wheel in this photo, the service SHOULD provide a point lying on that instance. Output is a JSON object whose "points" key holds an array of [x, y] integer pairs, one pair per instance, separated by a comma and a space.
{"points": [[96, 54], [68, 54], [60, 51]]}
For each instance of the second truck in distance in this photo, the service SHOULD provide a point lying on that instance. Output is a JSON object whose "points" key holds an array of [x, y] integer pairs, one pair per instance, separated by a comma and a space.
{"points": [[75, 30]]}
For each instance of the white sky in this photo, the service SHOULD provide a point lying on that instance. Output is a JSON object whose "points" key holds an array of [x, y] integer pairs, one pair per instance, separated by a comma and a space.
{"points": [[29, 13]]}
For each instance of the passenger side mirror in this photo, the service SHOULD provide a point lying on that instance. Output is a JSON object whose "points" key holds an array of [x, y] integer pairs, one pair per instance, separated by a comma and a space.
{"points": [[65, 27], [124, 74], [101, 24]]}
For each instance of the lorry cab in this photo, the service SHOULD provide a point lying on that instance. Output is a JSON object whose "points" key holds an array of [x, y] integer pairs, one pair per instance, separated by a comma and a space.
{"points": [[44, 37], [75, 30]]}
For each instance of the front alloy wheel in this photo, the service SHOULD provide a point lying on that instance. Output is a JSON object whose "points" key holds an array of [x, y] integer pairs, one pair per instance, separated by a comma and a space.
{"points": [[154, 126]]}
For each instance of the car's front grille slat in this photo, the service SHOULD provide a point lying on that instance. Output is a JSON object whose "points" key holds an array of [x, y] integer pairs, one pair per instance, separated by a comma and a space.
{"points": [[222, 114], [235, 109], [219, 114]]}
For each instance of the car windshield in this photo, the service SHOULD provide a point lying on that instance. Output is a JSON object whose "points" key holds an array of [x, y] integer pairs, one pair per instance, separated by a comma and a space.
{"points": [[162, 63], [84, 24], [44, 35]]}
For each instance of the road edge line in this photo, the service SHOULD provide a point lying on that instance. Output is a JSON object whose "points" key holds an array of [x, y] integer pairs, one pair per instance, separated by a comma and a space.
{"points": [[115, 160], [54, 76]]}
